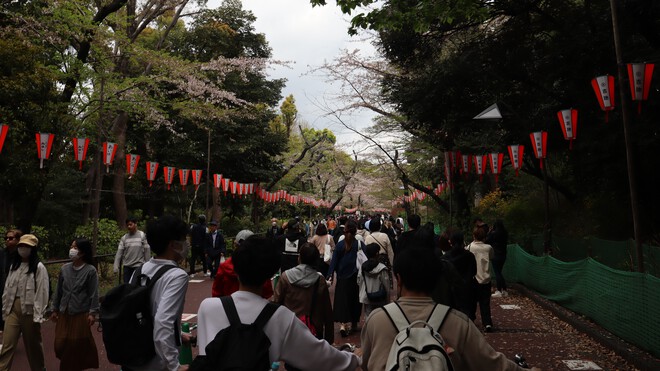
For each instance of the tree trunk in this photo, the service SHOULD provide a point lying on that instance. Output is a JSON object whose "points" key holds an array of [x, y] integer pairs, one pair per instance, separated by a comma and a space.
{"points": [[119, 181]]}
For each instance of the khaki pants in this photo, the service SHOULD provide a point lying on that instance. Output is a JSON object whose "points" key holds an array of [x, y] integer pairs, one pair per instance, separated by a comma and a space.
{"points": [[15, 324]]}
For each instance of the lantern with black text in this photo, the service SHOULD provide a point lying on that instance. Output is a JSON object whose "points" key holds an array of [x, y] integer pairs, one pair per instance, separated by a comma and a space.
{"points": [[233, 188], [132, 164], [639, 75], [44, 145], [80, 150], [184, 174], [197, 178], [604, 88], [217, 180], [152, 168], [168, 172], [496, 164], [539, 144], [3, 135], [568, 120], [109, 151], [480, 165], [516, 152]]}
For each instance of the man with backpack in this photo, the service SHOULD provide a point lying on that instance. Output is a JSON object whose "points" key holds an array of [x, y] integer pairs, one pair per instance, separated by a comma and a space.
{"points": [[263, 332], [167, 285], [455, 343]]}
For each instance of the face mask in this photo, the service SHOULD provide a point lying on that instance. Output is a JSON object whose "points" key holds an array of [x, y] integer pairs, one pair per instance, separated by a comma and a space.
{"points": [[183, 253], [24, 252], [73, 254], [274, 224]]}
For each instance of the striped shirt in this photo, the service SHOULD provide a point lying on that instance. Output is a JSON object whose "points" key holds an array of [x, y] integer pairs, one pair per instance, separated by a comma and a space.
{"points": [[133, 250]]}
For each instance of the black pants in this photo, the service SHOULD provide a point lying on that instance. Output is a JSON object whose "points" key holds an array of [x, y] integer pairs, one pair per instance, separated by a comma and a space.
{"points": [[195, 255], [482, 297], [498, 265]]}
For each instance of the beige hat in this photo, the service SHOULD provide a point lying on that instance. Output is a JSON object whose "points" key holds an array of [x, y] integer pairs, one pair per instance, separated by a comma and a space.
{"points": [[29, 239]]}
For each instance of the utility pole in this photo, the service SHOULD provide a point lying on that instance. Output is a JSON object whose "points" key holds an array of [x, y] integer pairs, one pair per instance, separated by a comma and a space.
{"points": [[208, 171], [630, 161]]}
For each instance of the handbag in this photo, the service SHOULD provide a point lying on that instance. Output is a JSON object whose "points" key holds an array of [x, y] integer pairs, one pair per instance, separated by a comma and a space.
{"points": [[327, 252]]}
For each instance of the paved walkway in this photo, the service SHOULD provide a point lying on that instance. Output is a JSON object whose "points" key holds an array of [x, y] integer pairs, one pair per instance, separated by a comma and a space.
{"points": [[521, 325]]}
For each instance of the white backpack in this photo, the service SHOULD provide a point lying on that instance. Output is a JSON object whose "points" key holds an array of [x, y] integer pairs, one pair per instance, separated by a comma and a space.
{"points": [[418, 345]]}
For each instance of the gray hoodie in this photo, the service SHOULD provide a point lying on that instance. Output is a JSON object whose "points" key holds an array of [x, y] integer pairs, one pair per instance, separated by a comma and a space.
{"points": [[302, 275], [377, 273]]}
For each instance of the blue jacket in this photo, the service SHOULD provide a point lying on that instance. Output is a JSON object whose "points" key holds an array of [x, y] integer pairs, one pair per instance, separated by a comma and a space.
{"points": [[344, 261]]}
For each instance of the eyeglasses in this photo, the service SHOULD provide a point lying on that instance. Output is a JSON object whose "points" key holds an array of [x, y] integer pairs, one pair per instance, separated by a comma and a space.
{"points": [[9, 238]]}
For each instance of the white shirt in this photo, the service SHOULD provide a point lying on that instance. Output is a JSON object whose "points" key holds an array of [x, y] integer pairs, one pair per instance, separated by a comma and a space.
{"points": [[291, 341], [167, 298]]}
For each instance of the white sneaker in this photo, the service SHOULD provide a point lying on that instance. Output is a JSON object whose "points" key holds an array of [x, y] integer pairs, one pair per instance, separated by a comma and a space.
{"points": [[192, 276], [497, 294], [207, 274], [505, 293]]}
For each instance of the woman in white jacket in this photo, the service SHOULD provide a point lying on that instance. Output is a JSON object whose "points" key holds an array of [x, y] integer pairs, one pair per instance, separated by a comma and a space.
{"points": [[24, 304]]}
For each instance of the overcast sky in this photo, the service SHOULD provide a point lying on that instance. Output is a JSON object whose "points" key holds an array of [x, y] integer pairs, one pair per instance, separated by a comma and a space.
{"points": [[306, 37]]}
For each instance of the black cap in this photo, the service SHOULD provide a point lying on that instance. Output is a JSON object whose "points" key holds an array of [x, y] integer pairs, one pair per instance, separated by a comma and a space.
{"points": [[214, 222]]}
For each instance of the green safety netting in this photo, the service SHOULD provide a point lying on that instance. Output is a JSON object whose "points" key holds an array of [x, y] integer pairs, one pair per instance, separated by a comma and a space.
{"points": [[620, 255], [625, 303]]}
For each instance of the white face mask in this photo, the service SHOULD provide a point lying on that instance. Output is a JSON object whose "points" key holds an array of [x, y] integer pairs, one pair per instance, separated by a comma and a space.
{"points": [[24, 252], [73, 254], [183, 253]]}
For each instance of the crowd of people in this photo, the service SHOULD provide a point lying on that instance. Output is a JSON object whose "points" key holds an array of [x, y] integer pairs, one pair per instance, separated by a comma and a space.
{"points": [[370, 261]]}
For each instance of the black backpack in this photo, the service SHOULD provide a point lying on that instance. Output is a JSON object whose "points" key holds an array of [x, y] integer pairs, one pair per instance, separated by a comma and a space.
{"points": [[127, 322], [239, 346]]}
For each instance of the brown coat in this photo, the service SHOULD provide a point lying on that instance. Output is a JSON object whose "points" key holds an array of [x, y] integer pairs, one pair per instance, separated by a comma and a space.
{"points": [[299, 300], [470, 350]]}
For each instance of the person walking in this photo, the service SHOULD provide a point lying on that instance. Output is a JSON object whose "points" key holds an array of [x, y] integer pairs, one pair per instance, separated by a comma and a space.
{"points": [[385, 252], [467, 348], [483, 254], [197, 243], [373, 281], [133, 250], [215, 248], [290, 243], [74, 309], [303, 290], [256, 261], [323, 241], [465, 264], [498, 238], [347, 307], [24, 304], [167, 238]]}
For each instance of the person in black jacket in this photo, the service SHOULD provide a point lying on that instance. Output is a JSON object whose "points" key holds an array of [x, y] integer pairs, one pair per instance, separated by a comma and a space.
{"points": [[197, 245], [215, 247], [290, 243], [498, 238], [465, 265]]}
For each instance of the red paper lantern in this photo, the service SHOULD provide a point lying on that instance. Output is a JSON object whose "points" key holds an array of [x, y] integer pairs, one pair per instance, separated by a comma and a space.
{"points": [[496, 164], [480, 165], [217, 180], [152, 168], [568, 120], [109, 151], [44, 145], [80, 150], [225, 184], [516, 152], [639, 75], [132, 164], [3, 135], [234, 186], [604, 89], [197, 178], [168, 172], [539, 144], [184, 174]]}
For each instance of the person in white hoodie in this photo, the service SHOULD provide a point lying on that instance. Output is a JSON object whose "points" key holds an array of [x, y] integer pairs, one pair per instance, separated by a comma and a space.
{"points": [[483, 253], [373, 280]]}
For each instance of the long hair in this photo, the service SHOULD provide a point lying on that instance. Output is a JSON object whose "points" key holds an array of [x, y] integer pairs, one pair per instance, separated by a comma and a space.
{"points": [[33, 260]]}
